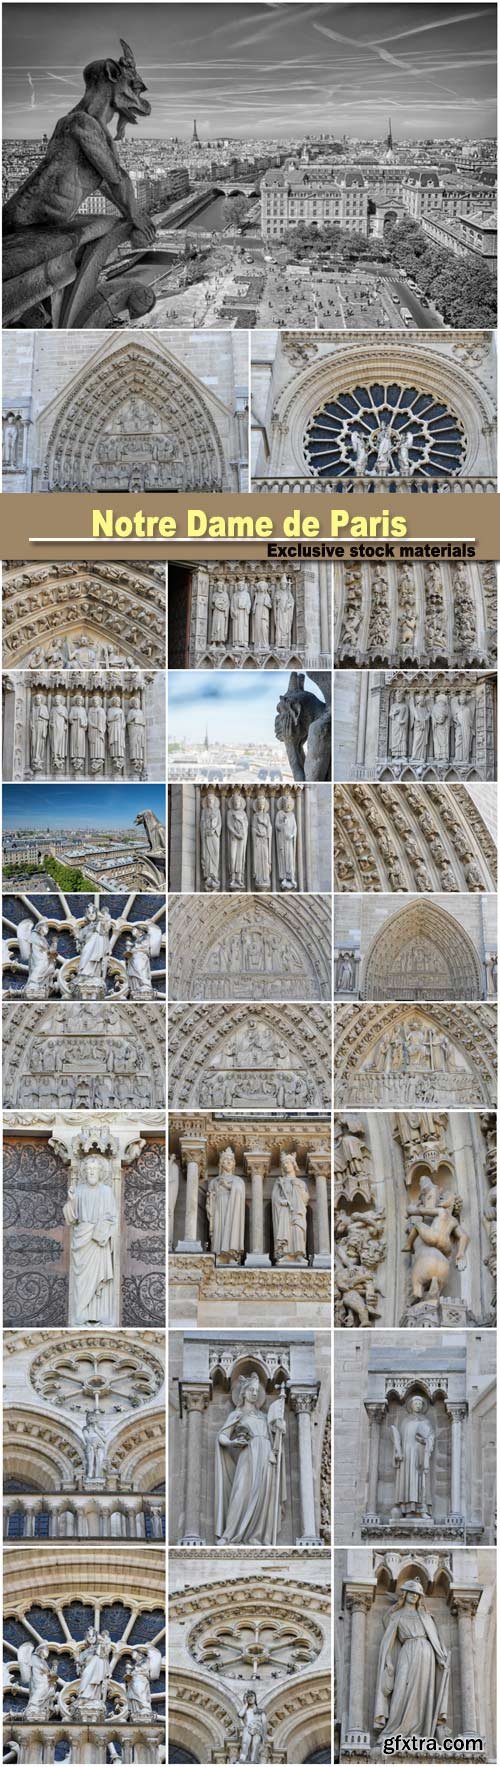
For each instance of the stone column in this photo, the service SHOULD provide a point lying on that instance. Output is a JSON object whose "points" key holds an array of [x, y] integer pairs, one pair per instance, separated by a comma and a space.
{"points": [[303, 1401], [464, 1602], [318, 1167], [376, 1414], [257, 1162], [458, 1414], [358, 1604], [195, 1399], [193, 1151], [362, 717]]}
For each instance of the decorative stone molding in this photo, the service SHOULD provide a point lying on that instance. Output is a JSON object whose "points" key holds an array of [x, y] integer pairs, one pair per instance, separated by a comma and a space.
{"points": [[396, 1056], [250, 949], [84, 1055], [84, 615], [400, 615], [411, 837], [256, 1057]]}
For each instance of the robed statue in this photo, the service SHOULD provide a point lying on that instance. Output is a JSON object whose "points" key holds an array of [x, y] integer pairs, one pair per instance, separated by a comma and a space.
{"points": [[250, 1476], [413, 1676]]}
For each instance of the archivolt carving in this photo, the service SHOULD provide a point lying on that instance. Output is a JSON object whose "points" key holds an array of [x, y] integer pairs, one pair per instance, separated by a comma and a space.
{"points": [[162, 431], [396, 1055], [422, 953], [89, 615], [226, 949], [411, 837], [402, 614], [263, 1055]]}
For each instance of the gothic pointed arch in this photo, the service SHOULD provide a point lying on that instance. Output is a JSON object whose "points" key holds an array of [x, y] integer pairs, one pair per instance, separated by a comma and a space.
{"points": [[250, 1054], [227, 948], [135, 419], [54, 613], [42, 1041], [394, 837], [415, 1055], [422, 953]]}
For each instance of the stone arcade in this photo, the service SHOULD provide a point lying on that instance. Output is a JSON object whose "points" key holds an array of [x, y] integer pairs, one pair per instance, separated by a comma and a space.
{"points": [[391, 1055], [84, 1648], [373, 412], [84, 1055], [250, 1435], [97, 724], [164, 411], [218, 844], [250, 1057], [83, 947], [249, 1220], [249, 1630], [415, 1436], [250, 947], [284, 618], [415, 1218], [428, 615], [84, 616], [450, 1598], [415, 726], [83, 1212], [84, 1428], [415, 837], [427, 948]]}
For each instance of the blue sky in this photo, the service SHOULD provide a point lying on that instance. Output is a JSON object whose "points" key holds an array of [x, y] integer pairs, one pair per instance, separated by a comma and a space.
{"points": [[79, 806], [263, 69], [235, 707]]}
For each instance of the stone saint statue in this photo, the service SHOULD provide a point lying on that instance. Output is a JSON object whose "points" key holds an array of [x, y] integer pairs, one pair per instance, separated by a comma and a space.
{"points": [[284, 608], [360, 452], [39, 724], [412, 1691], [136, 726], [345, 972], [58, 732], [286, 842], [241, 605], [116, 732], [434, 1233], [253, 1730], [11, 430], [78, 728], [464, 717], [262, 840], [143, 1668], [93, 1658], [37, 1675], [144, 944], [94, 1447], [237, 829], [406, 464], [261, 612], [290, 1198], [420, 715], [210, 833], [220, 613], [92, 1215], [226, 1197], [97, 734], [92, 941], [413, 1443], [383, 444], [399, 718], [441, 723], [33, 942], [250, 1481]]}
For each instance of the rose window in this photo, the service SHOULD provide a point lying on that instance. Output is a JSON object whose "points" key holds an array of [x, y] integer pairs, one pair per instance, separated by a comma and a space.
{"points": [[257, 1648], [384, 431], [63, 1631], [96, 1377]]}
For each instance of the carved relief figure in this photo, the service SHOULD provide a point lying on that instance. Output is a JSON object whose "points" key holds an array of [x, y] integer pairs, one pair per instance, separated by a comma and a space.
{"points": [[237, 827], [97, 733], [254, 1730], [139, 950], [59, 732], [77, 726], [286, 842], [399, 718], [35, 950], [413, 1444], [91, 1213], [441, 721], [36, 1673], [360, 452], [39, 724], [290, 1199], [116, 732], [250, 1470], [359, 1248], [11, 430], [261, 612], [464, 717], [284, 607], [94, 1657], [136, 726], [345, 972], [94, 1447], [92, 940], [411, 1697], [226, 1210], [210, 833], [220, 613], [420, 715], [262, 835], [143, 1668], [241, 605], [434, 1233]]}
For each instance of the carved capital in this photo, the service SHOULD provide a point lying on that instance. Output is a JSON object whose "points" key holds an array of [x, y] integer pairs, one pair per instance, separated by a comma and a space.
{"points": [[194, 1148], [304, 1399], [257, 1162], [195, 1398]]}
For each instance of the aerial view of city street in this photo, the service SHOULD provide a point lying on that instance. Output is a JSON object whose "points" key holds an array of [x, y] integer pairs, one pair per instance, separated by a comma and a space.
{"points": [[330, 181]]}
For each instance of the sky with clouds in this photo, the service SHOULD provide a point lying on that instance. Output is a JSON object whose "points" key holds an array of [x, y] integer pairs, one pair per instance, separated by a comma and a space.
{"points": [[281, 69], [235, 707], [86, 806]]}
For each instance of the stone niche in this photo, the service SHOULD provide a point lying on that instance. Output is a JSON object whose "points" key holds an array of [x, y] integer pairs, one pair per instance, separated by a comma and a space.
{"points": [[398, 1055], [249, 616], [91, 615], [250, 1058], [249, 1622], [59, 1169], [84, 947], [84, 1435], [450, 1597], [241, 839], [415, 837], [399, 615], [226, 1256], [93, 1055], [415, 726], [271, 1392], [415, 1218], [250, 948], [93, 724], [425, 948]]}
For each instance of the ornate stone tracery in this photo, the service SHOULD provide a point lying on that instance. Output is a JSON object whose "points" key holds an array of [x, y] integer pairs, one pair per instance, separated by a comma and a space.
{"points": [[253, 1058], [254, 949], [412, 837], [398, 1056], [90, 947]]}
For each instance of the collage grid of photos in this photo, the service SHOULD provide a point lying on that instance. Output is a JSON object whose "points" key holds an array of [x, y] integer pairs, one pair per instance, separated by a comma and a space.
{"points": [[249, 880]]}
